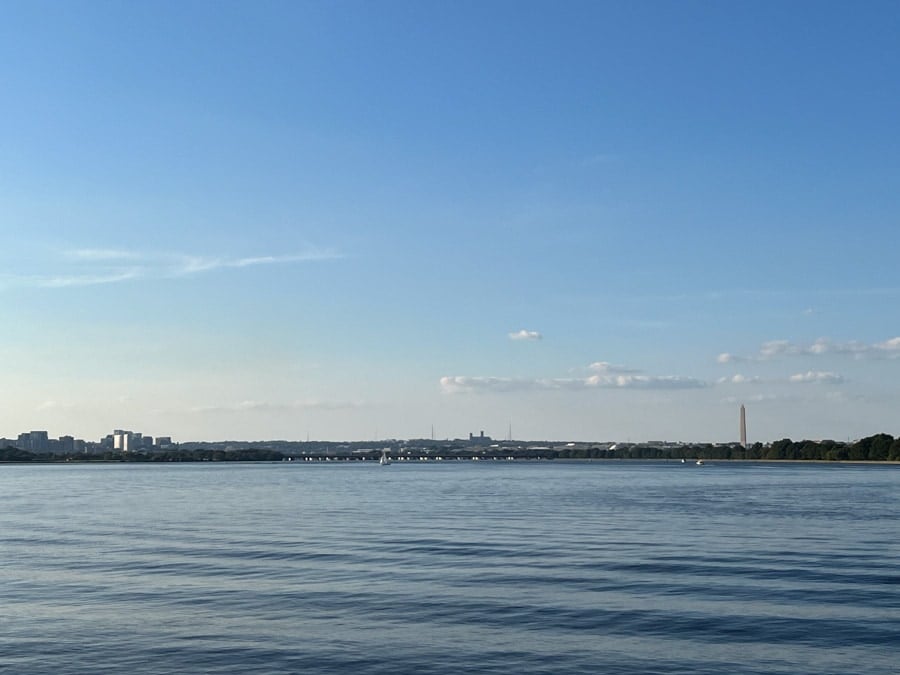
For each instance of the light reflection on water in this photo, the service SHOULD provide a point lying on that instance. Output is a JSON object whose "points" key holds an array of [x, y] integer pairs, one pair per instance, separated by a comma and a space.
{"points": [[549, 567]]}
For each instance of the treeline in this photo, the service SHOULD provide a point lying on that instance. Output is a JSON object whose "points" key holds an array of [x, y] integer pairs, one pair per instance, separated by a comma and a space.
{"points": [[187, 455], [877, 448]]}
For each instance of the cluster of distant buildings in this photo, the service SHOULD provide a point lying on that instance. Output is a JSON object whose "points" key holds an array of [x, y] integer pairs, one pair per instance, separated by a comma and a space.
{"points": [[120, 440], [124, 441]]}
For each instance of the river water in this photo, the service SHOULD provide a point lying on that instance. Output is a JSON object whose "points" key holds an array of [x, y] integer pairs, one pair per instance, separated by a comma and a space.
{"points": [[453, 567]]}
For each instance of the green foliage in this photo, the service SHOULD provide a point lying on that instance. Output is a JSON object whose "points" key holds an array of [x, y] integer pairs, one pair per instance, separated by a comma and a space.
{"points": [[15, 455], [873, 448], [881, 447]]}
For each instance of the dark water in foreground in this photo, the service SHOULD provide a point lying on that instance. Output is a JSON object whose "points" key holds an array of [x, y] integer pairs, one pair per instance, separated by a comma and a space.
{"points": [[450, 568]]}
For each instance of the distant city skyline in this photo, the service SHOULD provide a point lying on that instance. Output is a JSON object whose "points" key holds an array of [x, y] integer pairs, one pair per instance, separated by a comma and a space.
{"points": [[40, 441], [589, 221]]}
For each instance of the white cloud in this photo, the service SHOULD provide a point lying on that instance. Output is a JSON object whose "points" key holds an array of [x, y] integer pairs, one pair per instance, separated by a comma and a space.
{"points": [[474, 384], [189, 264], [312, 254], [526, 335], [891, 346], [756, 398], [739, 379], [774, 348], [799, 378], [645, 382], [820, 347], [471, 384], [610, 368], [195, 264], [96, 266], [816, 376], [85, 279]]}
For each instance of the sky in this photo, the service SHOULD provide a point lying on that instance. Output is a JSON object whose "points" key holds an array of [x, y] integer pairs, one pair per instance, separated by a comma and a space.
{"points": [[600, 221]]}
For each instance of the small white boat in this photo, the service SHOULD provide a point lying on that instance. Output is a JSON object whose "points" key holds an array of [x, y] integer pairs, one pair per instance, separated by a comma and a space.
{"points": [[385, 459], [682, 460], [699, 462]]}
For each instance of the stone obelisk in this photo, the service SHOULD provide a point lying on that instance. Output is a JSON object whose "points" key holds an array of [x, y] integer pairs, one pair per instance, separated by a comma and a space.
{"points": [[743, 427]]}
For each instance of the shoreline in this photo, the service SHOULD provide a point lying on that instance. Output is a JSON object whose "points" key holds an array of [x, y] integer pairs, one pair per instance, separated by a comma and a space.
{"points": [[524, 460]]}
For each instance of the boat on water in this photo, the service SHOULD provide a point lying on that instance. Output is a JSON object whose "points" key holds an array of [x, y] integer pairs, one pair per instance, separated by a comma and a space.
{"points": [[682, 460], [699, 462], [385, 458]]}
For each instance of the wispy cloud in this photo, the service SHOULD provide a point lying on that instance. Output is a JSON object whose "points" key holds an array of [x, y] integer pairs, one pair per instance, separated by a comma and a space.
{"points": [[816, 377], [645, 382], [605, 367], [85, 279], [821, 377], [523, 334], [187, 265], [311, 255], [462, 384], [757, 398], [739, 379], [97, 266], [773, 349], [606, 376]]}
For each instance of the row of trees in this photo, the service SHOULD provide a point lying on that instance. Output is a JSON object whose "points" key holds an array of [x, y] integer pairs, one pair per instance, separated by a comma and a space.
{"points": [[877, 448], [186, 455]]}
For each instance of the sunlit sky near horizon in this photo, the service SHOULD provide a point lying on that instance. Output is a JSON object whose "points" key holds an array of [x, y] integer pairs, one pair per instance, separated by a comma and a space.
{"points": [[357, 220]]}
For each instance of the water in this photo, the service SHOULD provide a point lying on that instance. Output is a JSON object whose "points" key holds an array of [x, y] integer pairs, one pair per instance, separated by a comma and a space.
{"points": [[492, 567]]}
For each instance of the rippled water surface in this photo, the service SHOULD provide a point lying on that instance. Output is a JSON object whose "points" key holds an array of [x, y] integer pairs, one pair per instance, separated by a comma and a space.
{"points": [[547, 567]]}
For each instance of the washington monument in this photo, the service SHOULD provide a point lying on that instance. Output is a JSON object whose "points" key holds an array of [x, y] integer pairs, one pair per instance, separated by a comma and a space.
{"points": [[743, 426]]}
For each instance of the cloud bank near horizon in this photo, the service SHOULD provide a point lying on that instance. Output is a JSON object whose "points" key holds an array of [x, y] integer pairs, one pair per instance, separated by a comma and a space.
{"points": [[811, 376], [605, 376]]}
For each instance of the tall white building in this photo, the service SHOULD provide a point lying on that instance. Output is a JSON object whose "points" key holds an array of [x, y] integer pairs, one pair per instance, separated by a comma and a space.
{"points": [[122, 440]]}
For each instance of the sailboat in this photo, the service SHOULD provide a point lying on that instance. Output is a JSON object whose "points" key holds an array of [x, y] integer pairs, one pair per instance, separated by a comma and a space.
{"points": [[385, 459]]}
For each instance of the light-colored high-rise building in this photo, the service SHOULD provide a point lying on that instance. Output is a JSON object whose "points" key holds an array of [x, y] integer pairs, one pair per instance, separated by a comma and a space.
{"points": [[122, 440]]}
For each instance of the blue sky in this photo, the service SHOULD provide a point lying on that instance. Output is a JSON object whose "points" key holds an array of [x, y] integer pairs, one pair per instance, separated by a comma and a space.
{"points": [[597, 221]]}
